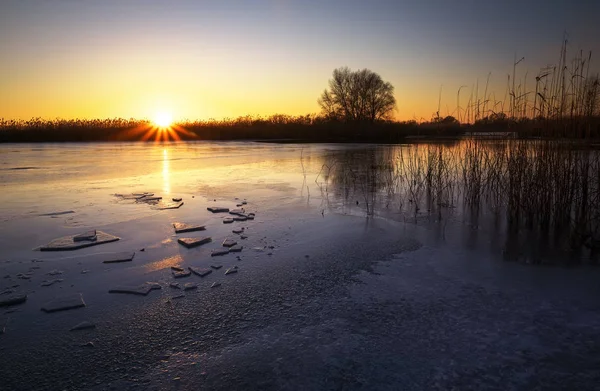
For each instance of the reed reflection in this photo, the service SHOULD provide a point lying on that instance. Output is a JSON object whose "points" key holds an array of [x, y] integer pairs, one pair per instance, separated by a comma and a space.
{"points": [[540, 198]]}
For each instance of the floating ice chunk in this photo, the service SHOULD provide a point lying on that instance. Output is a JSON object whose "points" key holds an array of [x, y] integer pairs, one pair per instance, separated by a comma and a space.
{"points": [[183, 227], [12, 300], [231, 270], [67, 243], [220, 251], [85, 325], [52, 282], [193, 242], [86, 236], [125, 256], [64, 303], [142, 290], [217, 209], [169, 205], [180, 274], [200, 271], [66, 212], [228, 242]]}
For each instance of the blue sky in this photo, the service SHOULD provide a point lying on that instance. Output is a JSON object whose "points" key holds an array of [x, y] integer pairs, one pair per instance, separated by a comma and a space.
{"points": [[200, 59]]}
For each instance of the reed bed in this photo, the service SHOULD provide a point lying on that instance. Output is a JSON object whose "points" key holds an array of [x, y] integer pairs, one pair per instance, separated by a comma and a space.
{"points": [[545, 191]]}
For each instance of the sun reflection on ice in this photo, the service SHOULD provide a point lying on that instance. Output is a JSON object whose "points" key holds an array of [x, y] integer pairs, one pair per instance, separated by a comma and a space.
{"points": [[166, 173]]}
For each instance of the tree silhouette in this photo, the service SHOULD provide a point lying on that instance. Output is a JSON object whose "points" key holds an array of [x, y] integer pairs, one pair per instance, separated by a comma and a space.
{"points": [[359, 96]]}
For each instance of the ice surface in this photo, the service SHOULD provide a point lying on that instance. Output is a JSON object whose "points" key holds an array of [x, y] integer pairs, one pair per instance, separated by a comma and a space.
{"points": [[442, 315]]}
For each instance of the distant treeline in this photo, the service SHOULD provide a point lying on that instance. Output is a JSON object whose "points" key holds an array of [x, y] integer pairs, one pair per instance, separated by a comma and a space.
{"points": [[307, 128], [284, 128]]}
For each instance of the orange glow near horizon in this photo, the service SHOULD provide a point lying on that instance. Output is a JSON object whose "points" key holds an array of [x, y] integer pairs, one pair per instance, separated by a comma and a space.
{"points": [[163, 119]]}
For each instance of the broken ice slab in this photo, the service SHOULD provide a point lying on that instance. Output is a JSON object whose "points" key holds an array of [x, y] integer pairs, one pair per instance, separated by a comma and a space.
{"points": [[125, 256], [12, 300], [86, 236], [228, 242], [231, 270], [227, 220], [193, 242], [183, 227], [215, 284], [52, 282], [64, 303], [68, 243], [220, 251], [240, 218], [169, 205], [200, 271], [243, 237], [149, 198], [217, 209], [250, 216], [176, 199], [85, 325], [180, 274], [190, 286], [142, 290], [175, 285], [238, 230], [216, 267], [177, 268], [52, 214], [236, 211], [236, 249]]}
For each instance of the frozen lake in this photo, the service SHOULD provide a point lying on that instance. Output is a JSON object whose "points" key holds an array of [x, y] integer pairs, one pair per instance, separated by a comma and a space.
{"points": [[350, 276]]}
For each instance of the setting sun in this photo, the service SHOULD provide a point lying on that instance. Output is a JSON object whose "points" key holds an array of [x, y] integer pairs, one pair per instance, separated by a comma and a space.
{"points": [[163, 119]]}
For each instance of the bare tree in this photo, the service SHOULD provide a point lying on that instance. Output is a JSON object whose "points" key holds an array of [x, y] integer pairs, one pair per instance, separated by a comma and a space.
{"points": [[359, 96]]}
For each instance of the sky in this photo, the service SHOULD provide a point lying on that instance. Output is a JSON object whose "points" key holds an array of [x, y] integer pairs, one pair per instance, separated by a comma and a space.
{"points": [[228, 58]]}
